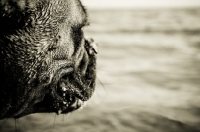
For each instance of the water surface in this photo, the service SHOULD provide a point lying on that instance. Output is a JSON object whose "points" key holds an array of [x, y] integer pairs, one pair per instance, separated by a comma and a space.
{"points": [[148, 76]]}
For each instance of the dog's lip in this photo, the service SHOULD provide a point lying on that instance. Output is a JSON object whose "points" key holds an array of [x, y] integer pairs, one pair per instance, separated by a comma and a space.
{"points": [[67, 96], [65, 106], [76, 104]]}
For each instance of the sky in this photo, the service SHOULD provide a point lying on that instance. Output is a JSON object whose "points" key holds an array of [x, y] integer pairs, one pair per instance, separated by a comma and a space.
{"points": [[140, 3]]}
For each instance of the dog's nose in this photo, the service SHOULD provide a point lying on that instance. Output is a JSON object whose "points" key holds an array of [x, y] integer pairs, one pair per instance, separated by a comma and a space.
{"points": [[92, 46]]}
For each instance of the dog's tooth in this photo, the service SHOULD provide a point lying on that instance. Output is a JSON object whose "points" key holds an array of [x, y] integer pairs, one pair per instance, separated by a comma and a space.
{"points": [[64, 89], [84, 104], [81, 108], [80, 102], [74, 104], [72, 90], [64, 102], [64, 94], [59, 112]]}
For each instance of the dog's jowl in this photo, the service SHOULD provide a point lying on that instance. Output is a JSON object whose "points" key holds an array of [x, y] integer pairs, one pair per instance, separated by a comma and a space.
{"points": [[46, 64]]}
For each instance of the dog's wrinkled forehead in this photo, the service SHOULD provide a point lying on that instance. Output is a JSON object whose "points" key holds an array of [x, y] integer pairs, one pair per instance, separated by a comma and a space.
{"points": [[74, 8]]}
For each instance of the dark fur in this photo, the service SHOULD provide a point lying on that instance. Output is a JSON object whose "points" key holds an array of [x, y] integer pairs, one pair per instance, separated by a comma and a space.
{"points": [[41, 44]]}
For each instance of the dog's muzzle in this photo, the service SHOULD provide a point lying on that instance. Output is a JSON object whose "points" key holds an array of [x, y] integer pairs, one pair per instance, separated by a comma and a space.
{"points": [[73, 86]]}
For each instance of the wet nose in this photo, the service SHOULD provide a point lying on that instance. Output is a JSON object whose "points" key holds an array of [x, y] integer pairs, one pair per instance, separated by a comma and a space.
{"points": [[91, 46]]}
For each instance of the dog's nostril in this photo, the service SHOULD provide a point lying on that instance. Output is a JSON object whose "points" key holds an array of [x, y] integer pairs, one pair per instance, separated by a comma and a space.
{"points": [[65, 76]]}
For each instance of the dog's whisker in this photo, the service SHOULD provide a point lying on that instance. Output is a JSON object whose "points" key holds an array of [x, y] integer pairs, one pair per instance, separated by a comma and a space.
{"points": [[98, 95], [102, 85], [54, 121], [100, 69], [18, 124], [16, 129], [15, 126], [104, 78], [63, 118], [4, 121]]}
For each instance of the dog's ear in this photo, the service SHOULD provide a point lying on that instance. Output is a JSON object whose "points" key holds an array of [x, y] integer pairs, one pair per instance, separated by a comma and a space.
{"points": [[15, 6]]}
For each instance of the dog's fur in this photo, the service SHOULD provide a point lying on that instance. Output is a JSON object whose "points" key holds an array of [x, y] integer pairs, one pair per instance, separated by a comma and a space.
{"points": [[46, 64]]}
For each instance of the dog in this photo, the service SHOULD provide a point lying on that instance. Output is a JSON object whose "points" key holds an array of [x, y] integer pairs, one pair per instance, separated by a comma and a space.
{"points": [[46, 63]]}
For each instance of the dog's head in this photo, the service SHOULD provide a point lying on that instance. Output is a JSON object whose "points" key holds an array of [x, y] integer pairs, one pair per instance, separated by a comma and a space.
{"points": [[46, 64]]}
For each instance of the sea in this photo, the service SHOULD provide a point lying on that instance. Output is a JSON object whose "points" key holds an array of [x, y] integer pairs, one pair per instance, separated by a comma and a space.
{"points": [[148, 75]]}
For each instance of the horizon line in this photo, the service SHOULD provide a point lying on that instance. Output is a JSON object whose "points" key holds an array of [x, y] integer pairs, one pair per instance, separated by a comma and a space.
{"points": [[141, 7]]}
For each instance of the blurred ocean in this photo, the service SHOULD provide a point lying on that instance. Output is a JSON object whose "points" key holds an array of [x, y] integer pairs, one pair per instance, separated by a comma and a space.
{"points": [[148, 76]]}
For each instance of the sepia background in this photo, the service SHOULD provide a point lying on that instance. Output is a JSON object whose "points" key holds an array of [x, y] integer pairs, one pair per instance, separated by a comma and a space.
{"points": [[148, 76]]}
